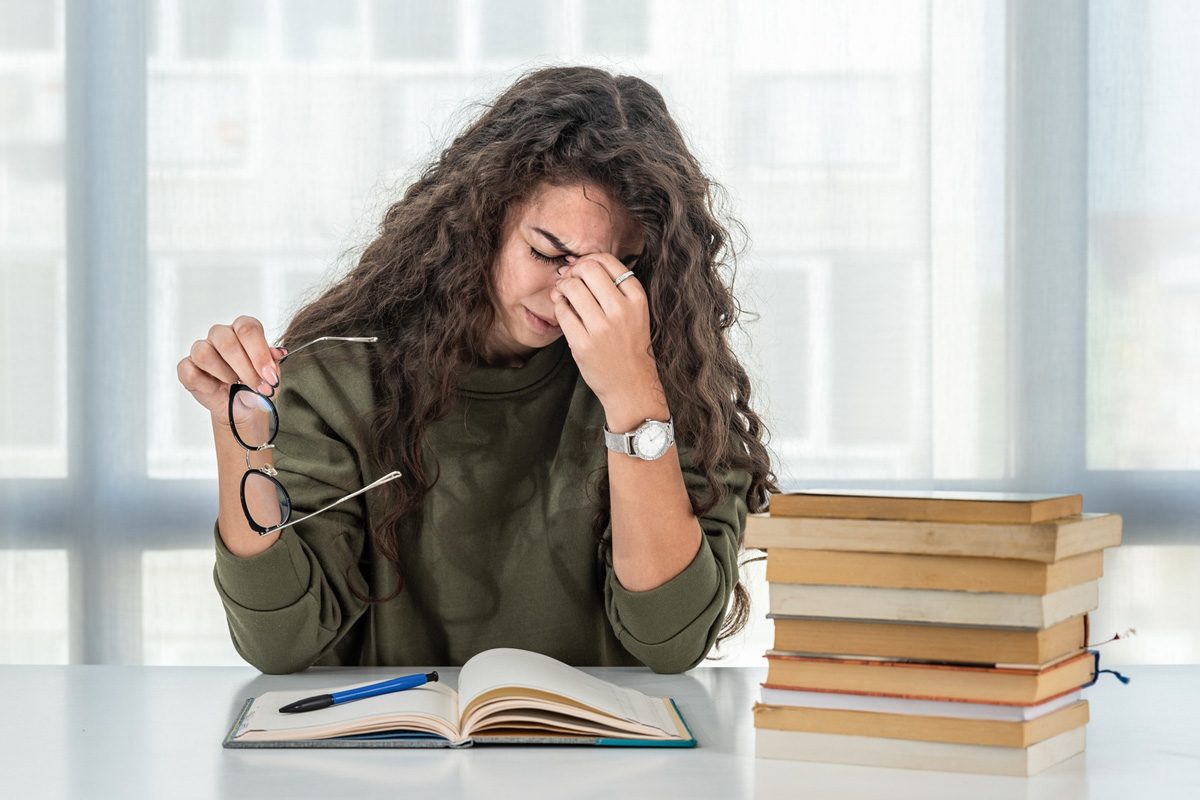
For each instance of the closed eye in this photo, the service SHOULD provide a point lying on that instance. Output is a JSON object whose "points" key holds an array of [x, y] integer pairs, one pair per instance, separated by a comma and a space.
{"points": [[559, 260]]}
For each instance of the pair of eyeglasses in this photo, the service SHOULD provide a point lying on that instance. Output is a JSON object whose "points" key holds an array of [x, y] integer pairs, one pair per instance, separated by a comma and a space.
{"points": [[266, 502]]}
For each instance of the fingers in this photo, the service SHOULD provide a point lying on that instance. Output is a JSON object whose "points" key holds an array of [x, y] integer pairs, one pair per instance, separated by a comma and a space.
{"points": [[196, 380], [572, 326], [205, 355], [237, 353], [575, 294], [588, 284], [598, 271], [228, 346], [609, 267], [253, 340]]}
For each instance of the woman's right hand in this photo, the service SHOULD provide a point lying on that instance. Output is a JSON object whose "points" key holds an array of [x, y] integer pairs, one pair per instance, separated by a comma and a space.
{"points": [[236, 353]]}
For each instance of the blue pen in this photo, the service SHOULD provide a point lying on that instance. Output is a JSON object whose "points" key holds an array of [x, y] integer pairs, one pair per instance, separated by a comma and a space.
{"points": [[327, 700]]}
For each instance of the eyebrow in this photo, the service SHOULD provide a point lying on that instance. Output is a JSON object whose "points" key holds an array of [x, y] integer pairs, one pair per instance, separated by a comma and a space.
{"points": [[554, 240]]}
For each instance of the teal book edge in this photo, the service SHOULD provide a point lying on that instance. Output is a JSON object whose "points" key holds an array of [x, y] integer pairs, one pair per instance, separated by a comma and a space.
{"points": [[415, 739], [689, 742]]}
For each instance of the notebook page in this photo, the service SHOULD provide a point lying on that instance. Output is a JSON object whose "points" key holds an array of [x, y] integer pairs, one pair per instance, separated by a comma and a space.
{"points": [[505, 666], [433, 698]]}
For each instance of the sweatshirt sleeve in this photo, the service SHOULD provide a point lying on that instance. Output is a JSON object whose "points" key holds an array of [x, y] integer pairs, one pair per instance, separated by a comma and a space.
{"points": [[290, 604], [671, 627]]}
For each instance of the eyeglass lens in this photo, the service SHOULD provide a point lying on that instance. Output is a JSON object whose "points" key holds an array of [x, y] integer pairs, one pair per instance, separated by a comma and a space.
{"points": [[253, 418], [267, 504], [255, 423]]}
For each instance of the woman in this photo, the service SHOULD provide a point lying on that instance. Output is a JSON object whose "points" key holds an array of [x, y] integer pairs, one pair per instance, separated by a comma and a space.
{"points": [[549, 283]]}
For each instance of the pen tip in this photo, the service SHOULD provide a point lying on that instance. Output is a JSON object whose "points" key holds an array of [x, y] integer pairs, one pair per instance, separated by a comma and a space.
{"points": [[433, 676]]}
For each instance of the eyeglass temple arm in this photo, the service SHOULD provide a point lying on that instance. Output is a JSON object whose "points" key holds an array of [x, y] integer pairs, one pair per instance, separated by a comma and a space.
{"points": [[391, 476], [332, 339]]}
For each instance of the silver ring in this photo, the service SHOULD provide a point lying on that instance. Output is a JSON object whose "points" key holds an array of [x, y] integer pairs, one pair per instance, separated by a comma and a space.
{"points": [[622, 277]]}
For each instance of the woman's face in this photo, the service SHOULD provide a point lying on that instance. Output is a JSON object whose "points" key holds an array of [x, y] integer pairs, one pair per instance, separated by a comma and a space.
{"points": [[583, 220]]}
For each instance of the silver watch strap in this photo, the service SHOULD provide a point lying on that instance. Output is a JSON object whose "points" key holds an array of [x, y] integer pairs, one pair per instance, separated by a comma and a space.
{"points": [[623, 442]]}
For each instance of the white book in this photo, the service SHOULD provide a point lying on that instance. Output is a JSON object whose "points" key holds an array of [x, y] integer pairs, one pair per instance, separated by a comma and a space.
{"points": [[993, 609], [870, 751], [905, 705]]}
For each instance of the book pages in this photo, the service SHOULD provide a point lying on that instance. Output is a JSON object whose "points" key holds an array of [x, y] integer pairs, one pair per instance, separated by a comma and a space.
{"points": [[915, 707], [503, 666], [433, 701]]}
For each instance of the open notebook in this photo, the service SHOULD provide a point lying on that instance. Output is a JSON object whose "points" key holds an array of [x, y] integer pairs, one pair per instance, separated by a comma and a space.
{"points": [[505, 696]]}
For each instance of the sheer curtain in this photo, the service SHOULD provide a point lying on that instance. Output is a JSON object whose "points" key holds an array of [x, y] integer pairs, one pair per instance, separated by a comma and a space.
{"points": [[974, 257]]}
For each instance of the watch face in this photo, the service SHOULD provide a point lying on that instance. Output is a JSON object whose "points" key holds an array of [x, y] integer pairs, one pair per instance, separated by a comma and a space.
{"points": [[652, 441]]}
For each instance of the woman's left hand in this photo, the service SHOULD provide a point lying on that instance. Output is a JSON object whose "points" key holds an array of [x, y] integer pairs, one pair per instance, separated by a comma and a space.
{"points": [[607, 327]]}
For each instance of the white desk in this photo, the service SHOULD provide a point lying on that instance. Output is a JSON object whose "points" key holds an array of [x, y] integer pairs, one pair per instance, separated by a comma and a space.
{"points": [[155, 732]]}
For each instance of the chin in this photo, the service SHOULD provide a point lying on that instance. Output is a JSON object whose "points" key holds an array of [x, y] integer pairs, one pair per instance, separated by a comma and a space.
{"points": [[538, 342]]}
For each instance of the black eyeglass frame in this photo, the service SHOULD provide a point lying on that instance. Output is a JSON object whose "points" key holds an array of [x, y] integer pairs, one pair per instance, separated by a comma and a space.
{"points": [[268, 470]]}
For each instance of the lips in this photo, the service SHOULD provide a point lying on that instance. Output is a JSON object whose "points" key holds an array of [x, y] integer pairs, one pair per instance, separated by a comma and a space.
{"points": [[548, 322]]}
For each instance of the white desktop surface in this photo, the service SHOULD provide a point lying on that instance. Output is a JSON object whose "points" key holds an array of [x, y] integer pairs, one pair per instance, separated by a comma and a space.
{"points": [[155, 732]]}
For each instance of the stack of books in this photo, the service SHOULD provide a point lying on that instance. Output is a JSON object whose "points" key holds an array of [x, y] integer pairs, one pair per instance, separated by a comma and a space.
{"points": [[929, 630]]}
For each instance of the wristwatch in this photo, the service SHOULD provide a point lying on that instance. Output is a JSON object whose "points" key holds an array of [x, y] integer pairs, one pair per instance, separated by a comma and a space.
{"points": [[647, 441]]}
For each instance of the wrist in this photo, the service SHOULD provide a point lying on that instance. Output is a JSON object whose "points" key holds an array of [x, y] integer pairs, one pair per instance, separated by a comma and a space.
{"points": [[624, 414], [637, 400]]}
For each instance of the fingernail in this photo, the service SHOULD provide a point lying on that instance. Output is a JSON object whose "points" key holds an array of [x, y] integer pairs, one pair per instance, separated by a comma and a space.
{"points": [[271, 376], [562, 270]]}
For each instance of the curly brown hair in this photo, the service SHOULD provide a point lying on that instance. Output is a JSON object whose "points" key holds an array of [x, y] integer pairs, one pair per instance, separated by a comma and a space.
{"points": [[425, 283]]}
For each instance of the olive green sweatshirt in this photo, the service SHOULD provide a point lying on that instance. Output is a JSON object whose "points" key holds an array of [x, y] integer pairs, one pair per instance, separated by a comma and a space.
{"points": [[501, 552]]}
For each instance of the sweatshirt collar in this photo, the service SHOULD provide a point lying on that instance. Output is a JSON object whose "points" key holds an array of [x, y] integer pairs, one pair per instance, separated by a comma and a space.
{"points": [[491, 380]]}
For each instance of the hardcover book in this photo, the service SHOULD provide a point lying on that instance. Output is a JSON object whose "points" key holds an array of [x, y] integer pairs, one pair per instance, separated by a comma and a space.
{"points": [[949, 573], [910, 707], [505, 696], [1033, 611], [880, 751], [928, 681], [1049, 541], [953, 730], [946, 506], [989, 646]]}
